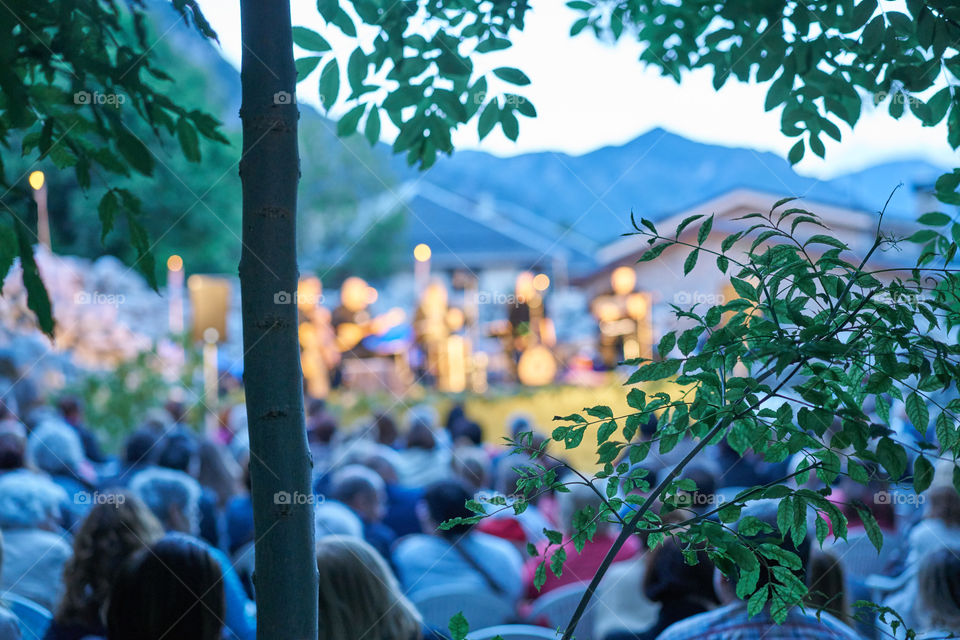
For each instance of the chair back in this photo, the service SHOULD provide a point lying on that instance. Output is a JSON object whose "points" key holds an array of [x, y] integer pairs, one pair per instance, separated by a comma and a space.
{"points": [[438, 605], [33, 618], [514, 632], [556, 607]]}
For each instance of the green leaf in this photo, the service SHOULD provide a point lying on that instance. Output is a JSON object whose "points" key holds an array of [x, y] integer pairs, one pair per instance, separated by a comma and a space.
{"points": [[511, 75], [666, 344], [691, 261], [704, 231], [329, 84], [310, 40], [934, 219], [134, 151], [459, 627], [556, 561], [348, 123], [922, 474], [917, 412], [107, 211], [38, 300], [892, 456], [796, 152], [305, 66], [509, 124], [488, 118], [189, 141], [757, 601], [357, 66], [372, 128]]}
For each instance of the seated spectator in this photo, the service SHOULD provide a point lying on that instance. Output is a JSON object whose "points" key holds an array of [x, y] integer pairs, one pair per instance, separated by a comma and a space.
{"points": [[137, 449], [111, 532], [321, 429], [13, 445], [361, 489], [682, 590], [401, 514], [520, 529], [54, 448], [35, 545], [471, 466], [579, 567], [826, 584], [359, 596], [331, 518], [425, 457], [457, 556], [173, 589], [733, 621], [218, 472], [173, 497], [71, 410], [180, 450], [238, 516], [9, 624], [466, 434], [938, 594]]}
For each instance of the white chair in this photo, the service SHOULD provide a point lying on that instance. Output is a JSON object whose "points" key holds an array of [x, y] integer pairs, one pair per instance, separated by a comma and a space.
{"points": [[33, 618], [438, 605], [556, 607], [514, 632]]}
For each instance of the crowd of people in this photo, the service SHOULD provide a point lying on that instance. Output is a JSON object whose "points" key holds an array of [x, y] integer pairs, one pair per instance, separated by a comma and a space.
{"points": [[158, 541]]}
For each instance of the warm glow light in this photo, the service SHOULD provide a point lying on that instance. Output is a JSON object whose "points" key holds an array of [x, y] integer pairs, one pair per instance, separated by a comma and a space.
{"points": [[541, 281], [422, 252], [455, 319], [36, 180], [623, 280], [524, 288], [372, 295], [637, 305], [354, 294], [174, 263]]}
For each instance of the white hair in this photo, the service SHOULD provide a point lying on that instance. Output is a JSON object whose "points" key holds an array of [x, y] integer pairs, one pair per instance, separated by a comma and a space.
{"points": [[161, 489], [29, 500], [55, 447], [332, 518]]}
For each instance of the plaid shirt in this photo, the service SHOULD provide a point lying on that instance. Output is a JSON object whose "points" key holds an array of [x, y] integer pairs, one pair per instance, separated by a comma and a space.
{"points": [[732, 623]]}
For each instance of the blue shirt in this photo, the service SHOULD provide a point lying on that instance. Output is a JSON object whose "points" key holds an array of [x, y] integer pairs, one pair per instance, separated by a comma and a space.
{"points": [[732, 623]]}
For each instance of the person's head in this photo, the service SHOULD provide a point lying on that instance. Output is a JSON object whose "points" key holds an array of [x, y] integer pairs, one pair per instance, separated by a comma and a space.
{"points": [[71, 408], [54, 447], [112, 530], [938, 590], [359, 596], [421, 436], [331, 518], [466, 433], [13, 444], [385, 429], [173, 497], [943, 503], [519, 423], [444, 500], [766, 512], [173, 589], [472, 466], [30, 501], [361, 489], [578, 498], [670, 577], [139, 445], [178, 450], [826, 585], [176, 410], [384, 461], [321, 428], [316, 407], [217, 471]]}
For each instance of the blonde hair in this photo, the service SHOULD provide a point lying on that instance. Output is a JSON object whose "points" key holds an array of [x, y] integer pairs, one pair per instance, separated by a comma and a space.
{"points": [[359, 596]]}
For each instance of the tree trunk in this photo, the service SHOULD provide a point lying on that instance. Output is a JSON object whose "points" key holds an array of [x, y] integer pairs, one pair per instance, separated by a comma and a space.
{"points": [[280, 467]]}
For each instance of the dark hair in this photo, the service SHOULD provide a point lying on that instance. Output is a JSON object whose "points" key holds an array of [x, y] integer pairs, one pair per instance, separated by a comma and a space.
{"points": [[386, 429], [12, 451], [138, 446], [176, 451], [173, 589], [468, 430], [669, 577], [826, 583], [938, 589], [446, 500]]}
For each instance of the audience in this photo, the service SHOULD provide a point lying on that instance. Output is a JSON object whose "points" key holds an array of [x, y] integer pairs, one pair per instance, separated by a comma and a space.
{"points": [[363, 490], [359, 595], [35, 545], [114, 529], [173, 589], [938, 594], [10, 626], [455, 557], [732, 620]]}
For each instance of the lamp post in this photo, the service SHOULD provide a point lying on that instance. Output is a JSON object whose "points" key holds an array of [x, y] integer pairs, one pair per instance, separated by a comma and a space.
{"points": [[175, 291], [39, 184]]}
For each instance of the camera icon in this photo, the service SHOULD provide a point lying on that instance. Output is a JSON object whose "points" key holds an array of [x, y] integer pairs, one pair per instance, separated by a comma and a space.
{"points": [[282, 297], [81, 497], [682, 297], [283, 97], [484, 297], [82, 97], [281, 497], [881, 497], [81, 297], [480, 98]]}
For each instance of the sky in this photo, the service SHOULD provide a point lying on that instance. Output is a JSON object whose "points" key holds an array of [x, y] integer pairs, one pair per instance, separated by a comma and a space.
{"points": [[590, 95]]}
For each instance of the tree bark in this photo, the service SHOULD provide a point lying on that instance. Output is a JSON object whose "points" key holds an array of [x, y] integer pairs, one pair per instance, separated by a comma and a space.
{"points": [[280, 466]]}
